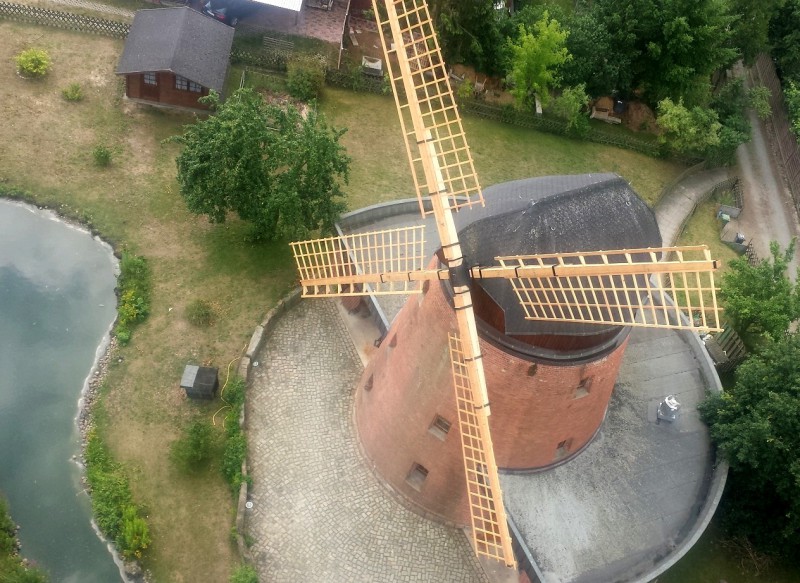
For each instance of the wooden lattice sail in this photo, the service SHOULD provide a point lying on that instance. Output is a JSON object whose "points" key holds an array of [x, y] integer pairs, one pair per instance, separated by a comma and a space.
{"points": [[425, 102]]}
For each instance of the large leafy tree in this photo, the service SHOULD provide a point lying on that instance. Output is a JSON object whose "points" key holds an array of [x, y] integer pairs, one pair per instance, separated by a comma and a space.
{"points": [[536, 56], [751, 25], [756, 426], [271, 166], [761, 299], [470, 32], [784, 34], [673, 45], [688, 131]]}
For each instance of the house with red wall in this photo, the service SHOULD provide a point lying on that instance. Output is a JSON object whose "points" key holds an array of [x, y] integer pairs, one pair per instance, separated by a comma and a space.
{"points": [[174, 56]]}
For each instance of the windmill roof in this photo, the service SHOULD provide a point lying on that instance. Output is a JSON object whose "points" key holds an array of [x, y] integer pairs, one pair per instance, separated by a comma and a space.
{"points": [[554, 214], [180, 40]]}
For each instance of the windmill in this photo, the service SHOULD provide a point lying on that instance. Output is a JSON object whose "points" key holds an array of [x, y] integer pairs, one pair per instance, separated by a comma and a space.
{"points": [[594, 287]]}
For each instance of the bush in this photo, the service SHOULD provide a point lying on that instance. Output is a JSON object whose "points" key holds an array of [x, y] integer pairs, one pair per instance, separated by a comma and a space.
{"points": [[244, 574], [102, 156], [200, 313], [72, 92], [33, 62], [306, 77], [133, 289], [235, 443], [193, 451], [112, 502]]}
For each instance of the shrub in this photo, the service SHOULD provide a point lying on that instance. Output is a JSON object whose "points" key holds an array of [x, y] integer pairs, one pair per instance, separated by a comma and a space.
{"points": [[33, 62], [306, 77], [200, 313], [244, 574], [193, 450], [102, 156], [72, 92], [133, 289], [235, 443], [135, 535]]}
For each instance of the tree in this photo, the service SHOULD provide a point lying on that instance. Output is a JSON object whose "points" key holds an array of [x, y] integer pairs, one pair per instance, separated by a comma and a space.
{"points": [[673, 45], [268, 164], [470, 32], [595, 61], [571, 106], [751, 25], [784, 34], [729, 103], [688, 131], [760, 299], [756, 427], [535, 58], [758, 98]]}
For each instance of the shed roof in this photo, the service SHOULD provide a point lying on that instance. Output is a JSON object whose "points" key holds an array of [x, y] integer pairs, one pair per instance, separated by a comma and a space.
{"points": [[179, 40]]}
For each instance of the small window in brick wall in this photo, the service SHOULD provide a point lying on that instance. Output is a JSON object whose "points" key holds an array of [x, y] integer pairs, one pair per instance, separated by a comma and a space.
{"points": [[369, 383], [563, 449], [150, 79], [583, 388], [439, 428], [416, 477]]}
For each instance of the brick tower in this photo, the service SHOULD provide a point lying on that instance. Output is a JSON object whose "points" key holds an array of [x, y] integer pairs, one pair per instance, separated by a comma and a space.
{"points": [[549, 383]]}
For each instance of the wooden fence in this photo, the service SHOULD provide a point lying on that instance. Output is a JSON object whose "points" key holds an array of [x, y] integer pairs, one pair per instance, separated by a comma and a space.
{"points": [[65, 20], [763, 73]]}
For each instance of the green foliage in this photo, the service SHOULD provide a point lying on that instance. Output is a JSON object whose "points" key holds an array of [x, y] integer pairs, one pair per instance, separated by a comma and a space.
{"points": [[200, 313], [268, 164], [729, 103], [11, 568], [306, 77], [135, 535], [133, 291], [673, 46], [72, 92], [595, 62], [791, 95], [101, 155], [112, 502], [33, 62], [758, 98], [535, 58], [192, 451], [756, 427], [244, 574], [690, 132], [784, 34], [761, 300], [235, 450], [571, 107], [471, 32], [751, 25]]}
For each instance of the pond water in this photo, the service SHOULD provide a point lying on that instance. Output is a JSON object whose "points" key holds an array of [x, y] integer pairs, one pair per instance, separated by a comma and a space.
{"points": [[57, 304]]}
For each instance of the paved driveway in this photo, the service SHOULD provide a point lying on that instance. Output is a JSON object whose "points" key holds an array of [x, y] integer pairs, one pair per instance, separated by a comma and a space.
{"points": [[319, 514]]}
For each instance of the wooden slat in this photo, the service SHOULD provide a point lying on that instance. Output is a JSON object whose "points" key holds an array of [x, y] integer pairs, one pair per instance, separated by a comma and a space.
{"points": [[616, 287], [490, 536], [341, 266], [425, 103]]}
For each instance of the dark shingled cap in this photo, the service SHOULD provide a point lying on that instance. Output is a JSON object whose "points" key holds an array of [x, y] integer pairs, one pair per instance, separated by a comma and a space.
{"points": [[554, 214], [179, 40]]}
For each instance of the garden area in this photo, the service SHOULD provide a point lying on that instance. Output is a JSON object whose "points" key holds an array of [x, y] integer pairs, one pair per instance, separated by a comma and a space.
{"points": [[71, 142]]}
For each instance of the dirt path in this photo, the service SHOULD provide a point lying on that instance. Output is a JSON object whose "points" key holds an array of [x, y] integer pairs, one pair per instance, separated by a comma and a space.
{"points": [[769, 213]]}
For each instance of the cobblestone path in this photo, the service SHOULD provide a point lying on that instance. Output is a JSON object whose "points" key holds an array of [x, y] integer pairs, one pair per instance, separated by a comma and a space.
{"points": [[319, 514]]}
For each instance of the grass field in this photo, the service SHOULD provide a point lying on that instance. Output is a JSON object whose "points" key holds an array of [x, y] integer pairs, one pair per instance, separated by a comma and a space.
{"points": [[45, 145]]}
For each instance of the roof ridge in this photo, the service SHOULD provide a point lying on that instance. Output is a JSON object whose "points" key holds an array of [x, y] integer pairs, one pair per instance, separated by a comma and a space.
{"points": [[182, 29]]}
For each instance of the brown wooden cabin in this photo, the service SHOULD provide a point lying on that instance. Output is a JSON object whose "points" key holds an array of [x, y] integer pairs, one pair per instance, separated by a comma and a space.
{"points": [[174, 56]]}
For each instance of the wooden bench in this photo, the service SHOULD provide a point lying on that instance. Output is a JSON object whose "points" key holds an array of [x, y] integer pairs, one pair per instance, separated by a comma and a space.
{"points": [[604, 114], [278, 44]]}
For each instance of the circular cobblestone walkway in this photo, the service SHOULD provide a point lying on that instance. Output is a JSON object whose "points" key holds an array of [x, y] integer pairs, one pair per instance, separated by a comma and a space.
{"points": [[319, 514]]}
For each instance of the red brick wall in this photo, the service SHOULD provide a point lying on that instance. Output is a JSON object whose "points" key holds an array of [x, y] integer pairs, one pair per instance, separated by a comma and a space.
{"points": [[411, 383], [164, 92]]}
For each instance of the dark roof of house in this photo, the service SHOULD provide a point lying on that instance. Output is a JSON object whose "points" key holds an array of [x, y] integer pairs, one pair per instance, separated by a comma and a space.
{"points": [[554, 214], [179, 40]]}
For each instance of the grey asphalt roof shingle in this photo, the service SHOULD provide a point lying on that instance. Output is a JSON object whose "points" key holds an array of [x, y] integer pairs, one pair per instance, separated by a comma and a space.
{"points": [[179, 40], [554, 214]]}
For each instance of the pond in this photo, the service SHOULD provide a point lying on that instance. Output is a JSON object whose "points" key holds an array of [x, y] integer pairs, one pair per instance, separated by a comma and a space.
{"points": [[57, 304]]}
